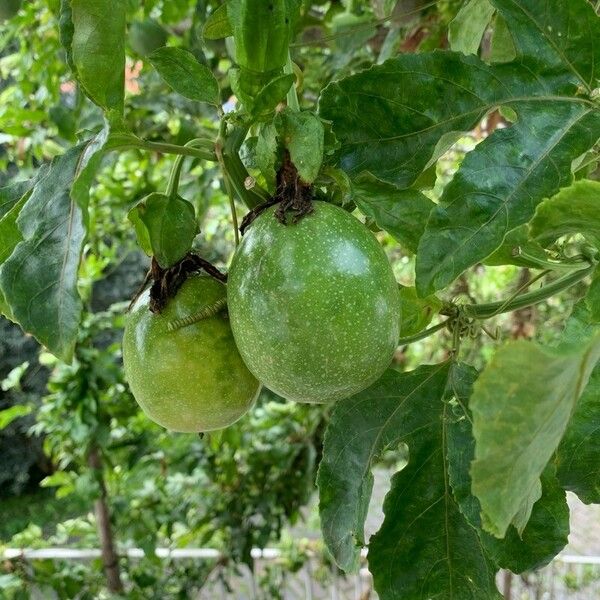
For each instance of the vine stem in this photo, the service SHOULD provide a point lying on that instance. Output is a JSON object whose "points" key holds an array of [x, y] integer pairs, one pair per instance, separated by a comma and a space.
{"points": [[134, 142], [175, 175], [486, 311], [226, 179], [423, 334]]}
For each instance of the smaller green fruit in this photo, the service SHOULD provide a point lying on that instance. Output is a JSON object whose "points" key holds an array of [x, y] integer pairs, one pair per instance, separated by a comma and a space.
{"points": [[147, 36], [185, 373]]}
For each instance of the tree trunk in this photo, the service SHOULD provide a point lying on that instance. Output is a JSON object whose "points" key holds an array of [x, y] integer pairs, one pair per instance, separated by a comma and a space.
{"points": [[110, 559]]}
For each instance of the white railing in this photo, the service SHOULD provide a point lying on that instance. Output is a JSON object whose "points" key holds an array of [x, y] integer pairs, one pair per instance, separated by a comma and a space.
{"points": [[568, 577]]}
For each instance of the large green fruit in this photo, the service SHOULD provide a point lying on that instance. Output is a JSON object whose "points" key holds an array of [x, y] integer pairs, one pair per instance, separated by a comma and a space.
{"points": [[147, 36], [313, 306], [191, 378], [9, 8]]}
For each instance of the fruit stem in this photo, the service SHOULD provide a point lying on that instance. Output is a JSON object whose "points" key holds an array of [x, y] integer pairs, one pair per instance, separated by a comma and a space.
{"points": [[219, 152], [175, 175], [131, 141], [405, 341], [244, 186]]}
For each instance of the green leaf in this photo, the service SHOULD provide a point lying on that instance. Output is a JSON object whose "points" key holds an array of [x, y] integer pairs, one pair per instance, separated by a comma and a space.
{"points": [[262, 32], [499, 185], [217, 25], [544, 536], [11, 194], [467, 28], [575, 209], [39, 279], [265, 153], [546, 532], [416, 313], [171, 227], [97, 48], [182, 72], [66, 30], [562, 36], [402, 213], [592, 299], [141, 231], [519, 417], [360, 430], [518, 249], [272, 94], [8, 415], [10, 234], [303, 134], [10, 237], [578, 456], [390, 117], [426, 548], [502, 47]]}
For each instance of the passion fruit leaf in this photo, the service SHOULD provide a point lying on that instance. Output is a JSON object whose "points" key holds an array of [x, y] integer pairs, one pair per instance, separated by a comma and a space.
{"points": [[547, 37], [518, 249], [402, 213], [141, 231], [10, 236], [578, 456], [575, 209], [303, 134], [272, 94], [395, 118], [262, 32], [170, 224], [470, 223], [502, 47], [426, 548], [416, 313], [11, 194], [217, 25], [361, 428], [518, 427], [266, 152], [467, 28], [182, 72], [592, 299], [94, 33], [547, 531], [39, 279]]}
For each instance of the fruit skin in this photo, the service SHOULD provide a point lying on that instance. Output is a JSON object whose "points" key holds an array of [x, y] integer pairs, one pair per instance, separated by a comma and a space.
{"points": [[147, 36], [191, 379], [313, 306]]}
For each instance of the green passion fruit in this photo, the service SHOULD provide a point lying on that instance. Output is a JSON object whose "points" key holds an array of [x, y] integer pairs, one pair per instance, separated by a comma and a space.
{"points": [[186, 373], [313, 305]]}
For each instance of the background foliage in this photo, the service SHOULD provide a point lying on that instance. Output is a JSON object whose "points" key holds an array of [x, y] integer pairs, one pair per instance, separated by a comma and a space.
{"points": [[240, 488]]}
